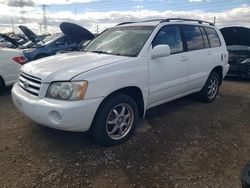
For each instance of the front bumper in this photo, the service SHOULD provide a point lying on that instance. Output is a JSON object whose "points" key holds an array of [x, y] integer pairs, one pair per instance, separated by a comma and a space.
{"points": [[63, 115], [240, 70]]}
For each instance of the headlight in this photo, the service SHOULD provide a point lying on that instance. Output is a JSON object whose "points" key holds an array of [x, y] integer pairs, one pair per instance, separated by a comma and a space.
{"points": [[67, 90]]}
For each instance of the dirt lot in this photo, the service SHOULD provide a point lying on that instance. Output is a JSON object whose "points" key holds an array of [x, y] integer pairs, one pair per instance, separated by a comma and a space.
{"points": [[184, 143]]}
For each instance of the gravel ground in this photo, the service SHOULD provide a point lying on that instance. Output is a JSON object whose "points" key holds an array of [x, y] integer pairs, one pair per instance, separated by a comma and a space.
{"points": [[184, 143]]}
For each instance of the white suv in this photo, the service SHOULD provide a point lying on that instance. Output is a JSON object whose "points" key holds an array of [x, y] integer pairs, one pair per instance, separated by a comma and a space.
{"points": [[123, 72]]}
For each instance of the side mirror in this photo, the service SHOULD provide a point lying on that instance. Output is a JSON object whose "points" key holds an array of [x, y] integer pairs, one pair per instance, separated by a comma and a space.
{"points": [[160, 51]]}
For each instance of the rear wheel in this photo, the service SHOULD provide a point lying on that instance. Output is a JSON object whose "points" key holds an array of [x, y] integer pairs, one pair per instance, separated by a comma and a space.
{"points": [[115, 120], [211, 88]]}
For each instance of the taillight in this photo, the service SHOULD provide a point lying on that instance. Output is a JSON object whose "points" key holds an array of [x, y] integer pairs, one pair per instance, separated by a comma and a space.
{"points": [[19, 59]]}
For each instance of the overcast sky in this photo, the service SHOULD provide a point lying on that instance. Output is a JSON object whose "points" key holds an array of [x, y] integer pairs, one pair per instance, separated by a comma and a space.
{"points": [[106, 13]]}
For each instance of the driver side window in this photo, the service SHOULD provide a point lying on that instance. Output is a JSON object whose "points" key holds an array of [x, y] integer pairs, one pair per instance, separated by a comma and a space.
{"points": [[169, 35]]}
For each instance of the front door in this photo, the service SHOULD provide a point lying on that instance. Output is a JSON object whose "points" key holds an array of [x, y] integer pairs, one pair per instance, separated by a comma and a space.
{"points": [[168, 76]]}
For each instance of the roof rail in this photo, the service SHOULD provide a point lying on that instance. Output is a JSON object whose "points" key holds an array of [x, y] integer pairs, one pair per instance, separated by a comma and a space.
{"points": [[123, 23], [154, 20], [183, 19]]}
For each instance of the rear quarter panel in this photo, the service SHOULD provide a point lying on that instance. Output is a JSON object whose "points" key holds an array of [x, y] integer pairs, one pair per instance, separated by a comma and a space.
{"points": [[8, 68]]}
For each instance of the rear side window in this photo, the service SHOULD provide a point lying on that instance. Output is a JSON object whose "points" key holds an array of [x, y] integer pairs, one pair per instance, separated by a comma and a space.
{"points": [[212, 37], [193, 37], [171, 36], [205, 39]]}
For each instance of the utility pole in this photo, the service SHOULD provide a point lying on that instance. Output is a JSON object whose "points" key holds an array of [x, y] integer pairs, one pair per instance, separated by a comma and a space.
{"points": [[75, 15], [45, 22], [22, 16], [12, 23], [97, 29], [40, 28], [214, 20]]}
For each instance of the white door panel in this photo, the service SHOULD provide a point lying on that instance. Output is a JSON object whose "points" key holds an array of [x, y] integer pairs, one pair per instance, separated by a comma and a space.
{"points": [[200, 63], [168, 77]]}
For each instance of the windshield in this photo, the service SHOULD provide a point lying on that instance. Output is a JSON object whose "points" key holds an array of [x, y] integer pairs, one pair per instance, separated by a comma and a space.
{"points": [[48, 40], [124, 41]]}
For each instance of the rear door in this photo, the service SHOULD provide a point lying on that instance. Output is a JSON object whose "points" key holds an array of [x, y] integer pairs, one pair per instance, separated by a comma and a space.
{"points": [[199, 56], [217, 52]]}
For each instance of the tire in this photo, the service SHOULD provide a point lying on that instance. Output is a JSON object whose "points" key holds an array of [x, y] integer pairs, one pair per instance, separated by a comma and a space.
{"points": [[115, 120], [211, 88], [2, 84]]}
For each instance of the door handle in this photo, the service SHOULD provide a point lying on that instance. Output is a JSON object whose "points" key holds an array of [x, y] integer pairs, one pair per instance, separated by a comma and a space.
{"points": [[210, 53], [184, 58]]}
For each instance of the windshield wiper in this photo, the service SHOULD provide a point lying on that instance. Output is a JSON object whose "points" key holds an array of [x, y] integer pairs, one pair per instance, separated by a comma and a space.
{"points": [[99, 52]]}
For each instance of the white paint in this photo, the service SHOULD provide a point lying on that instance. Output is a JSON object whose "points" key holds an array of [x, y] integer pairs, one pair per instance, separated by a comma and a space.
{"points": [[9, 69], [160, 80]]}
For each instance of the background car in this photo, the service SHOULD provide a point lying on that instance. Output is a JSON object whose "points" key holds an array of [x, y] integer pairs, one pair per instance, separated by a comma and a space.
{"points": [[9, 67], [22, 41], [73, 35], [9, 41], [238, 45]]}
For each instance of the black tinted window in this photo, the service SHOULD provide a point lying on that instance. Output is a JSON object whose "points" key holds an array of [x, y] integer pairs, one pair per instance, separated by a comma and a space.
{"points": [[204, 36], [213, 37], [193, 37], [171, 36]]}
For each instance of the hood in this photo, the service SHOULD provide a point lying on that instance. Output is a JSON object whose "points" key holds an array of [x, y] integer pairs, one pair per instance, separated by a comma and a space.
{"points": [[66, 66], [76, 32], [9, 39], [30, 34], [236, 36]]}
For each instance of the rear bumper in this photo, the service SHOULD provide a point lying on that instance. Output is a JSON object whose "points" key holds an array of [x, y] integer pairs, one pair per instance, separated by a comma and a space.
{"points": [[225, 70], [63, 115]]}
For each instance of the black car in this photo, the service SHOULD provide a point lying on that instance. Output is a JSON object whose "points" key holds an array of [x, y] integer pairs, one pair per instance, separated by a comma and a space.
{"points": [[238, 44]]}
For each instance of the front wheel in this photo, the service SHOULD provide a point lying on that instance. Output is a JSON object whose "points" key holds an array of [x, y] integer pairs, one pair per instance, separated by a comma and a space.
{"points": [[211, 88], [2, 84], [115, 120]]}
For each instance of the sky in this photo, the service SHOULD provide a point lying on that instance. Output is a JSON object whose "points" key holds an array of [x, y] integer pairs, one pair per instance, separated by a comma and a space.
{"points": [[97, 15]]}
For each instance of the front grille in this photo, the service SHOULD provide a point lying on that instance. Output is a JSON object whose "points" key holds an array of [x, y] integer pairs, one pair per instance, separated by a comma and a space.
{"points": [[30, 84]]}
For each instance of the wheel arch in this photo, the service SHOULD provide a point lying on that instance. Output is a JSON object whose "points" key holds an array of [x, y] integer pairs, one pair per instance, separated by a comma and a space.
{"points": [[133, 91], [219, 71]]}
